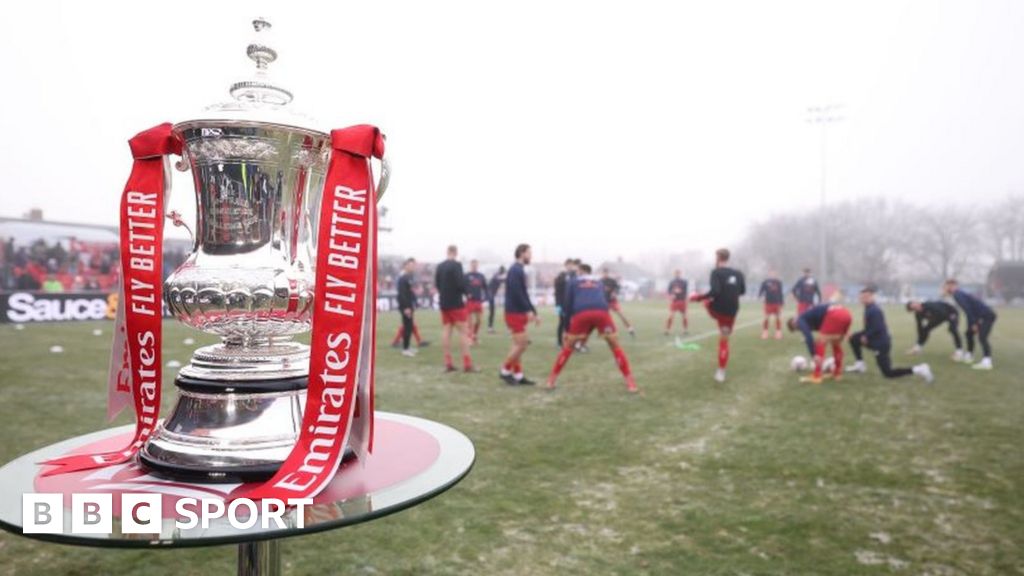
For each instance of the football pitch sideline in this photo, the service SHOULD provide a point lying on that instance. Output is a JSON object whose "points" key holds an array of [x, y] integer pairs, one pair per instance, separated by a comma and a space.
{"points": [[759, 475]]}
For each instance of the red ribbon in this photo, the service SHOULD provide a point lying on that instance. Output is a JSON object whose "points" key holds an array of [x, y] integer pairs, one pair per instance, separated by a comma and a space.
{"points": [[141, 293], [344, 313]]}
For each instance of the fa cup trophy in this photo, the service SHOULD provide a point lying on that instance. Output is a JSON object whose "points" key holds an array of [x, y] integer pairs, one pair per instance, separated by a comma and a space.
{"points": [[259, 171]]}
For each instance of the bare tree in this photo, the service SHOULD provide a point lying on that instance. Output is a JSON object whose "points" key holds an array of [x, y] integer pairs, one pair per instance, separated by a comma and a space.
{"points": [[944, 240], [1004, 228], [866, 240]]}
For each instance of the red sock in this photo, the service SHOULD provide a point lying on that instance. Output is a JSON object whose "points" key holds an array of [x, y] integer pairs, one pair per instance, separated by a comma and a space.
{"points": [[837, 354], [819, 358], [622, 361], [448, 359], [467, 361], [398, 337], [507, 366], [560, 361], [517, 368], [416, 334], [723, 353]]}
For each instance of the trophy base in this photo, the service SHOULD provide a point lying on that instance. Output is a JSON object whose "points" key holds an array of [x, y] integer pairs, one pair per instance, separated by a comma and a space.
{"points": [[227, 431]]}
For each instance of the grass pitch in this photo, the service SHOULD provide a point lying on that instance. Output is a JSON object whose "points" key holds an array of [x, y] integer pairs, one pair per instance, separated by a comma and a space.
{"points": [[760, 475]]}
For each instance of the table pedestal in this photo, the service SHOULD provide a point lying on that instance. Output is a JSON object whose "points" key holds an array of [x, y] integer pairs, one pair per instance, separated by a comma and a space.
{"points": [[262, 558]]}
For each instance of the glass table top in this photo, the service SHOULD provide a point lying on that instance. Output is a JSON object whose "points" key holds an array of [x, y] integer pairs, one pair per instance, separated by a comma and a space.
{"points": [[413, 460]]}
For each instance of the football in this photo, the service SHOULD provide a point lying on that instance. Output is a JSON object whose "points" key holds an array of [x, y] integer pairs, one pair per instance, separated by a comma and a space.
{"points": [[829, 364], [798, 363]]}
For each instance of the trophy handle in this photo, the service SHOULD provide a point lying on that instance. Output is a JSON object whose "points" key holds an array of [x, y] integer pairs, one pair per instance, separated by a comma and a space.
{"points": [[385, 177], [173, 215]]}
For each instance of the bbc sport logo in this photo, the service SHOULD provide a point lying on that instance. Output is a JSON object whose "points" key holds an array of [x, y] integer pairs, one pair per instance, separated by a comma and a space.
{"points": [[93, 513]]}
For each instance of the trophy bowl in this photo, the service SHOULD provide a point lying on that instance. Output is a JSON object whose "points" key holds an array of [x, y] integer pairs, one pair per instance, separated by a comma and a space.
{"points": [[257, 170]]}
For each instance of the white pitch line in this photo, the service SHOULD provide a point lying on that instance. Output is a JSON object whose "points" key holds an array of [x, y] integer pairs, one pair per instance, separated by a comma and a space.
{"points": [[712, 333]]}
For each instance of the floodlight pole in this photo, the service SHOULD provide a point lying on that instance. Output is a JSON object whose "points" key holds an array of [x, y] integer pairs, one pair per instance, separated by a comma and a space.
{"points": [[824, 116]]}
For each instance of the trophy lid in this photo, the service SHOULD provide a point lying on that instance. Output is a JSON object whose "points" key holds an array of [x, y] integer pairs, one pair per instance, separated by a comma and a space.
{"points": [[257, 99]]}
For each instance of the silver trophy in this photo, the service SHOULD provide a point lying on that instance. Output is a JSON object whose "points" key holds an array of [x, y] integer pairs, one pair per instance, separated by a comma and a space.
{"points": [[259, 172]]}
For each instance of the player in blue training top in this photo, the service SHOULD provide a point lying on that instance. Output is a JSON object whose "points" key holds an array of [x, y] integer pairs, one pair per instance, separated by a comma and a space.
{"points": [[832, 322], [678, 292], [562, 282], [929, 315], [806, 292], [476, 295], [772, 292], [875, 336], [519, 311], [587, 309], [980, 319]]}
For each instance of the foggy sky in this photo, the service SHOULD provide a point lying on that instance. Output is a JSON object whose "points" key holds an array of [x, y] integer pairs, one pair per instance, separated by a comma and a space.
{"points": [[586, 128]]}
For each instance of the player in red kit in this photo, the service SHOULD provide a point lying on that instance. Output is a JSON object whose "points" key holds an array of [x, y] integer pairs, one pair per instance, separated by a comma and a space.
{"points": [[476, 295], [723, 303], [806, 291], [451, 287], [677, 294], [832, 322], [519, 312], [771, 291], [587, 309]]}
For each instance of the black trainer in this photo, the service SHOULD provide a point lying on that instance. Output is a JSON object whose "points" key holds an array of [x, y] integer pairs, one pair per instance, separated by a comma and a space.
{"points": [[524, 381]]}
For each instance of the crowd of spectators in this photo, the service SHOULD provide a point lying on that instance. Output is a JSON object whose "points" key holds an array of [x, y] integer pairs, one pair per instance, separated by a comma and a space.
{"points": [[67, 266]]}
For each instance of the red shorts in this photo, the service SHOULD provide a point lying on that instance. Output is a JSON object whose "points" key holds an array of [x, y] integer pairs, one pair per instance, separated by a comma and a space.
{"points": [[723, 320], [802, 307], [614, 305], [473, 306], [516, 321], [770, 309], [583, 322], [677, 306], [836, 322], [453, 316]]}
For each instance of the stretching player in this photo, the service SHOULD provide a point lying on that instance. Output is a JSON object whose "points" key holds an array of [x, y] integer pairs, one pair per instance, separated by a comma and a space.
{"points": [[771, 291], [806, 292], [519, 311], [832, 321], [587, 308], [476, 293], [497, 281], [451, 287], [980, 319], [875, 336], [611, 293], [723, 303], [678, 290], [931, 314], [562, 282]]}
